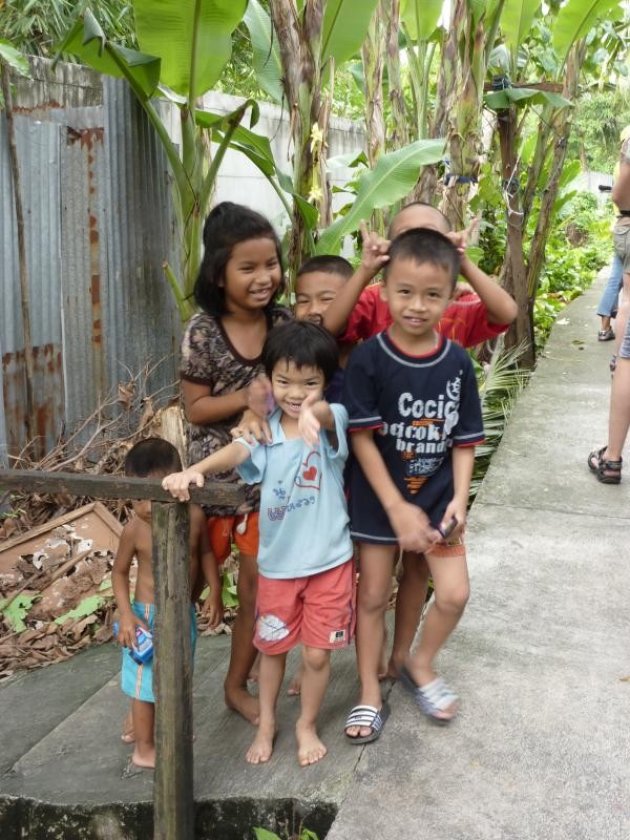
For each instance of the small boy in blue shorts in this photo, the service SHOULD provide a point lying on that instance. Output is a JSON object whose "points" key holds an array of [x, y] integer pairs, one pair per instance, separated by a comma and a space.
{"points": [[306, 578], [155, 458], [414, 418]]}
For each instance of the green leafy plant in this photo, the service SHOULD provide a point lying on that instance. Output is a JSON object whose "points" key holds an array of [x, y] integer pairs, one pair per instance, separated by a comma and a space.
{"points": [[184, 47], [264, 834], [229, 594], [15, 610], [500, 383], [84, 608]]}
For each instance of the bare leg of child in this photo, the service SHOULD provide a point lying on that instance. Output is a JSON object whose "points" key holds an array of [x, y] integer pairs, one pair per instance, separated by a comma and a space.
{"points": [[376, 563], [269, 682], [450, 578], [255, 670], [127, 728], [314, 681], [295, 685], [143, 715], [243, 652], [412, 593]]}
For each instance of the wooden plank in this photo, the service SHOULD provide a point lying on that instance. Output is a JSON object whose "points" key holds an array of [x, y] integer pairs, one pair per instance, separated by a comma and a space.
{"points": [[47, 526], [173, 794], [113, 487]]}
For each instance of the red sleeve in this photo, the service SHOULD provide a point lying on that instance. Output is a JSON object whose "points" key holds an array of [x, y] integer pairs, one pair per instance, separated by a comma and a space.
{"points": [[366, 318], [466, 322]]}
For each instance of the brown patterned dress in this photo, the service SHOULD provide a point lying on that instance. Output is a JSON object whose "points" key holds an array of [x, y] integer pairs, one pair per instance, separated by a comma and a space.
{"points": [[209, 358]]}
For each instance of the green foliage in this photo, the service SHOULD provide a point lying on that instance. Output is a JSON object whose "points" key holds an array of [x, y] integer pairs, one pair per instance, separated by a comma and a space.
{"points": [[576, 17], [569, 270], [393, 177], [35, 27], [192, 38], [86, 607], [600, 116], [500, 383], [229, 594], [264, 834], [15, 610], [9, 55]]}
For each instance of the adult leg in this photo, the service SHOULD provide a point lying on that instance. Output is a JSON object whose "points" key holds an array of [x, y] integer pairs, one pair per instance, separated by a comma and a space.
{"points": [[619, 413], [315, 677], [452, 589], [410, 599], [623, 313], [143, 715], [243, 652], [606, 463], [269, 682], [376, 564], [608, 303]]}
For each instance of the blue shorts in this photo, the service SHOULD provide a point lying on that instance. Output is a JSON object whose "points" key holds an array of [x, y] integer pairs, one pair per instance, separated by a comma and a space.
{"points": [[136, 679]]}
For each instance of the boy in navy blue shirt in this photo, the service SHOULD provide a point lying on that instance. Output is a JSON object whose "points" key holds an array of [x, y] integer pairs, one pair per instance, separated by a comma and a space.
{"points": [[415, 418]]}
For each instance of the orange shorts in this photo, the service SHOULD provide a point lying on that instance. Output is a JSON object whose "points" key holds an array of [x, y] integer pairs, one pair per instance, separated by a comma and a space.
{"points": [[454, 548], [317, 611], [225, 530]]}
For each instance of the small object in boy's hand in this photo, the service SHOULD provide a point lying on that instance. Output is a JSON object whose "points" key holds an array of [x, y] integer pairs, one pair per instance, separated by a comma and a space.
{"points": [[142, 652], [447, 530]]}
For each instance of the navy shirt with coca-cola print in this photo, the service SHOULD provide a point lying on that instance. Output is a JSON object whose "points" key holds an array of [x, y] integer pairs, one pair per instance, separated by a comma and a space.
{"points": [[419, 408]]}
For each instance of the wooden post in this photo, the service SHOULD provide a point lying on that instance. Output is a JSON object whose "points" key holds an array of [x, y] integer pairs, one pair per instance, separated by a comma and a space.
{"points": [[173, 795]]}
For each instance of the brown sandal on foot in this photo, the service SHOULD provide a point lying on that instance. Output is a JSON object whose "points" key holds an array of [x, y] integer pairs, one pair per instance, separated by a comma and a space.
{"points": [[608, 472]]}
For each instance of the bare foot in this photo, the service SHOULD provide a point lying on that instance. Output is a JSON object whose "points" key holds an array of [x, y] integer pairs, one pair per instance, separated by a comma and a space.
{"points": [[144, 758], [262, 746], [128, 735], [310, 748], [241, 701], [396, 662]]}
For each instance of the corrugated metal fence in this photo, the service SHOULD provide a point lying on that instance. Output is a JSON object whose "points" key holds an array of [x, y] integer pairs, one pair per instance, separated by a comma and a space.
{"points": [[98, 226]]}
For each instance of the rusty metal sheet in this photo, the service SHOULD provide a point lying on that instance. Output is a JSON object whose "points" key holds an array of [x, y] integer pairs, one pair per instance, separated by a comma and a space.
{"points": [[38, 157]]}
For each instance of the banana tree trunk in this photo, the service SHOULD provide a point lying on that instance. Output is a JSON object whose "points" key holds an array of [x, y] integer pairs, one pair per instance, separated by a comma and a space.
{"points": [[561, 131], [299, 40], [513, 275], [464, 113], [372, 57], [390, 11]]}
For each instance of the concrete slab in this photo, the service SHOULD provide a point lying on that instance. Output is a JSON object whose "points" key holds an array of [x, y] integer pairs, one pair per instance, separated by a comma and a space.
{"points": [[72, 775]]}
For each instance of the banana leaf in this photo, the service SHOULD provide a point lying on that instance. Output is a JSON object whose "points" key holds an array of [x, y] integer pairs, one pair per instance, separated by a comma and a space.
{"points": [[575, 19], [192, 37], [267, 63], [393, 177]]}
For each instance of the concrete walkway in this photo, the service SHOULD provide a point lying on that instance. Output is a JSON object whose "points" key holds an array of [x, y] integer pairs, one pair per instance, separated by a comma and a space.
{"points": [[541, 750]]}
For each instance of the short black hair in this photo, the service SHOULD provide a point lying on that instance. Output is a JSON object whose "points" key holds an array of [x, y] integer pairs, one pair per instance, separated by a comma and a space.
{"points": [[422, 246], [227, 225], [327, 264], [152, 456], [420, 204], [303, 343]]}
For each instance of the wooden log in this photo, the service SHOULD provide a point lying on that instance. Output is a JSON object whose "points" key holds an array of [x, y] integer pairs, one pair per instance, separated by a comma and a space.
{"points": [[112, 487], [173, 796]]}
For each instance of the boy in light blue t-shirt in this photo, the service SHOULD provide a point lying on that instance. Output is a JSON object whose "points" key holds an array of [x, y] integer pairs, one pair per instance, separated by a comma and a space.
{"points": [[306, 578]]}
